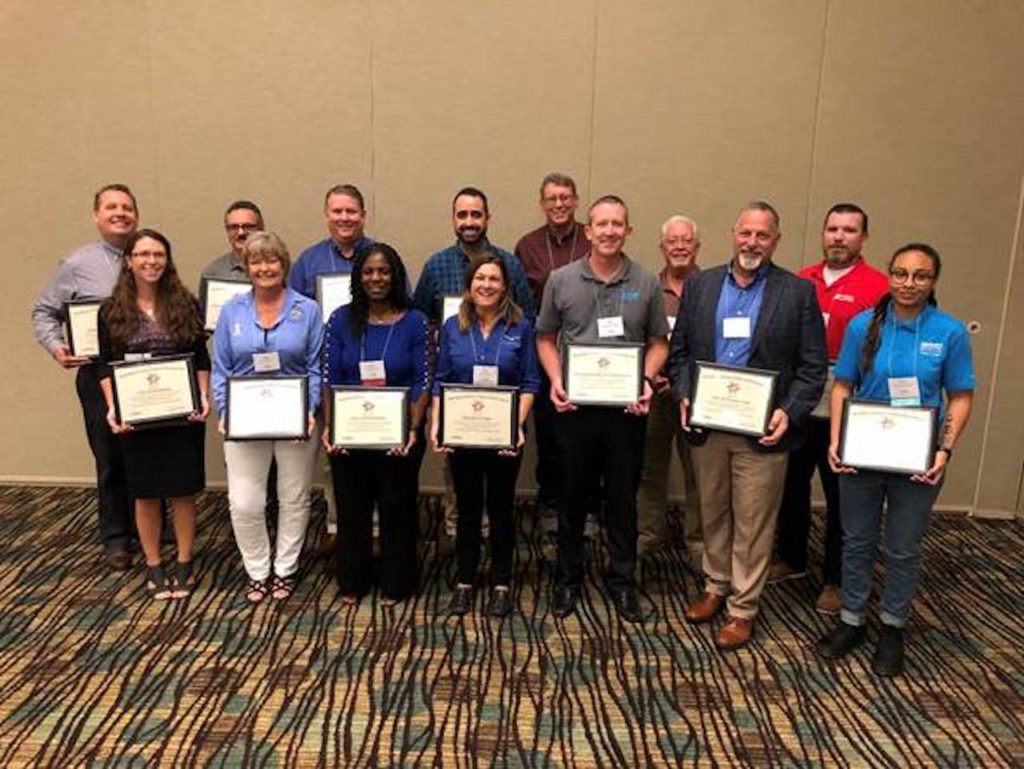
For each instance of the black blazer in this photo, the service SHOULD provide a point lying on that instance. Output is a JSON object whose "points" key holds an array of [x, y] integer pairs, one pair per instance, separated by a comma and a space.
{"points": [[789, 338]]}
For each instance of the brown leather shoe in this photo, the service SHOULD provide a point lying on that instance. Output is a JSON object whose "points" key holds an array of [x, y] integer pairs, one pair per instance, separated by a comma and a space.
{"points": [[704, 608], [736, 632]]}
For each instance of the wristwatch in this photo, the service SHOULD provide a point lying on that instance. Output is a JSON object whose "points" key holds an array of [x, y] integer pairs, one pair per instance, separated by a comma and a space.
{"points": [[947, 449]]}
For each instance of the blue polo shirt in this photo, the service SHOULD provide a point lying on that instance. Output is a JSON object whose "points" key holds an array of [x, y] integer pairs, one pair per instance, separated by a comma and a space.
{"points": [[402, 345], [297, 336], [737, 301], [321, 258], [445, 271], [934, 347], [511, 348]]}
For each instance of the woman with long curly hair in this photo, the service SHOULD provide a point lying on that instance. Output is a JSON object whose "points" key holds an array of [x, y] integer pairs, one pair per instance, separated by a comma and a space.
{"points": [[378, 340], [151, 314], [904, 352]]}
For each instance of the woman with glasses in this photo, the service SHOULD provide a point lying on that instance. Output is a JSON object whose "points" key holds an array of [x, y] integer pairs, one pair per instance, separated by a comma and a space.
{"points": [[905, 352], [378, 340], [151, 314], [271, 330]]}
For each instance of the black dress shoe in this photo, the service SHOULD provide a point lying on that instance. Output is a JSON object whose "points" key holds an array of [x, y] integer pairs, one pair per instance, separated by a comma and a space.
{"points": [[843, 639], [563, 600], [627, 604], [461, 601], [888, 659], [118, 558], [500, 603]]}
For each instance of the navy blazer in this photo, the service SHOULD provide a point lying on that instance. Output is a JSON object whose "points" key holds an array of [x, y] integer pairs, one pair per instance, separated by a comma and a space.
{"points": [[789, 338]]}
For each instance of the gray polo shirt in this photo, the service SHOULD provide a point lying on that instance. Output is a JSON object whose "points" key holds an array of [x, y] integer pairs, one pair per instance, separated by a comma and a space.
{"points": [[87, 273], [574, 299]]}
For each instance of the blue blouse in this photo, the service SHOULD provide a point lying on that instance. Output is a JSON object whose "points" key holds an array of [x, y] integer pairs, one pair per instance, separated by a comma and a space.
{"points": [[297, 336], [404, 346], [511, 348], [934, 347]]}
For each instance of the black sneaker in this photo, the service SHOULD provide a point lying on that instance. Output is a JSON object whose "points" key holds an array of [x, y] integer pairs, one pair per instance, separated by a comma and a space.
{"points": [[563, 600], [888, 659], [461, 601], [843, 639]]}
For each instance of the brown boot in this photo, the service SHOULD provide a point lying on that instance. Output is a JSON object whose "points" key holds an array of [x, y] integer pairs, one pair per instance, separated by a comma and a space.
{"points": [[735, 633]]}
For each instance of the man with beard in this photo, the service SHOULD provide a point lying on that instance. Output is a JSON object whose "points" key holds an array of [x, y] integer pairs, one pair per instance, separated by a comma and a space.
{"points": [[441, 284], [605, 297], [748, 313], [846, 285], [91, 273]]}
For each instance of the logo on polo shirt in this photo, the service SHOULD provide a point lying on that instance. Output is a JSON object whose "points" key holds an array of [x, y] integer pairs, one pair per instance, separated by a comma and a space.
{"points": [[931, 349], [845, 298]]}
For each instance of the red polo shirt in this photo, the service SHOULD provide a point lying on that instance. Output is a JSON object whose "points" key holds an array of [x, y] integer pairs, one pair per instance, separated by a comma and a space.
{"points": [[858, 290]]}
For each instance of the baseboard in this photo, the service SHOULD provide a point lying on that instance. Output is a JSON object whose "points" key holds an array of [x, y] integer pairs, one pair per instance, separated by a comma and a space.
{"points": [[994, 514]]}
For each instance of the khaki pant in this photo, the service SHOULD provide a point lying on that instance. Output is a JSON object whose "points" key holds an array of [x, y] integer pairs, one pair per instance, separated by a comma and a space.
{"points": [[663, 430], [740, 491]]}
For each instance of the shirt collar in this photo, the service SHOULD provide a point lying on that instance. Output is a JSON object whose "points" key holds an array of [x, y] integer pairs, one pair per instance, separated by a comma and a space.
{"points": [[759, 274], [619, 277]]}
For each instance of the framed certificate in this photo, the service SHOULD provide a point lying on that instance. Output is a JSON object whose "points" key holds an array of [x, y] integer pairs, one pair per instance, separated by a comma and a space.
{"points": [[333, 290], [216, 294], [82, 320], [604, 374], [732, 398], [369, 417], [450, 306], [479, 417], [266, 408], [154, 391], [896, 439]]}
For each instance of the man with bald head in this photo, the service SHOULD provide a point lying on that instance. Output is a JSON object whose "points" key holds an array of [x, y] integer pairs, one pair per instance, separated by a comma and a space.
{"points": [[748, 313], [680, 244]]}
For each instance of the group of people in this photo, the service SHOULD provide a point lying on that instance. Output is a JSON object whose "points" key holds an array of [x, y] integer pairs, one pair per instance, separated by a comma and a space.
{"points": [[482, 316]]}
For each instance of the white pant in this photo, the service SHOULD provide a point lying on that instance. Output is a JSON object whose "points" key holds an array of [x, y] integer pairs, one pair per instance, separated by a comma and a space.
{"points": [[248, 465]]}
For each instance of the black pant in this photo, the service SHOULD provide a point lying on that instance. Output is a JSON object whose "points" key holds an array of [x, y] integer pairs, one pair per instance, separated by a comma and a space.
{"points": [[362, 480], [794, 524], [476, 474], [600, 444], [550, 470], [116, 509]]}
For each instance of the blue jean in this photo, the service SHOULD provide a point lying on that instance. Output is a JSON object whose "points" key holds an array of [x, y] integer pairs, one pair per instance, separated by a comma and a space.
{"points": [[861, 497]]}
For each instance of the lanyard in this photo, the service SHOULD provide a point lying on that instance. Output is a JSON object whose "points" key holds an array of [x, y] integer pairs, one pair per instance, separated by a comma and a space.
{"points": [[572, 250], [597, 299], [472, 340], [384, 352], [895, 329]]}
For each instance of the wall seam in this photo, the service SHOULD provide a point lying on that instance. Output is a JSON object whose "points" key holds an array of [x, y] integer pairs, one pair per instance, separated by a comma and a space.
{"points": [[373, 116], [808, 235], [1004, 312], [593, 101]]}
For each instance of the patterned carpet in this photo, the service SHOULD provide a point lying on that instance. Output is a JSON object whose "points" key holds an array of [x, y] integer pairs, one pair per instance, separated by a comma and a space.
{"points": [[93, 673]]}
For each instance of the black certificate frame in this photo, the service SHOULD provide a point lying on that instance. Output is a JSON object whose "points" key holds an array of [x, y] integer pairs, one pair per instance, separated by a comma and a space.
{"points": [[206, 299], [759, 372], [69, 328], [639, 349], [320, 279], [341, 390], [165, 420], [932, 432], [253, 380], [448, 390]]}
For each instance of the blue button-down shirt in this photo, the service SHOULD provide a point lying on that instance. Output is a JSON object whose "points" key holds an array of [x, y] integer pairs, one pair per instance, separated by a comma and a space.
{"points": [[735, 301], [322, 258], [444, 275], [511, 348], [297, 336]]}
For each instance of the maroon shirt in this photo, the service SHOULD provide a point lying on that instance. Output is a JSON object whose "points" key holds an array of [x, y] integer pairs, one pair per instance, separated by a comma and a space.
{"points": [[540, 253]]}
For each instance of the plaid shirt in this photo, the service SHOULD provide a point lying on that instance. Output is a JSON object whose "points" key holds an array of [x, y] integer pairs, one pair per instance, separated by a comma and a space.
{"points": [[444, 273]]}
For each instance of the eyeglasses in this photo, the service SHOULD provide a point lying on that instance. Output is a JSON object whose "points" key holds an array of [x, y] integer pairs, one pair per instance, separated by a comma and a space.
{"points": [[917, 278], [149, 254], [241, 227], [554, 199]]}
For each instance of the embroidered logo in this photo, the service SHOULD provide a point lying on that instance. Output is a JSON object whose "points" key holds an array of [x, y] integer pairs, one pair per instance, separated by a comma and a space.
{"points": [[931, 349]]}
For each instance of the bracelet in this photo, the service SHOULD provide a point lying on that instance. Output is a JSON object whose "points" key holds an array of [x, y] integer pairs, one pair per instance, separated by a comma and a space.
{"points": [[947, 449]]}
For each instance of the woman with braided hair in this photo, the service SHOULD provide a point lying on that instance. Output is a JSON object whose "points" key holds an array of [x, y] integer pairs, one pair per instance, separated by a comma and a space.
{"points": [[904, 352]]}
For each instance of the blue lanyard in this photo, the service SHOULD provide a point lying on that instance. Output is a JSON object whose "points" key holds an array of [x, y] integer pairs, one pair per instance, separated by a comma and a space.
{"points": [[472, 341], [387, 342]]}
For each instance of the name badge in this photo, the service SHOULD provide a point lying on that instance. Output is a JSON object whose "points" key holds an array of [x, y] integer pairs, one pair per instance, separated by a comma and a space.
{"points": [[609, 327], [825, 316], [671, 323], [371, 373], [135, 357], [485, 376], [266, 362], [736, 328], [904, 391]]}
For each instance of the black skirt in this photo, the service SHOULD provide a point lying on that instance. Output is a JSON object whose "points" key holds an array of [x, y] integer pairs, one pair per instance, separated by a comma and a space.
{"points": [[165, 462]]}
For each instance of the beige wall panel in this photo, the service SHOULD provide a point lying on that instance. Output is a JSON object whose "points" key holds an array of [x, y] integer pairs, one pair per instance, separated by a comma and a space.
{"points": [[66, 130], [490, 95], [701, 107], [928, 139]]}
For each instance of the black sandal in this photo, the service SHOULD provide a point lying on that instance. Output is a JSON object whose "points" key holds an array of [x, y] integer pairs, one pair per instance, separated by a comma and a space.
{"points": [[283, 587], [156, 583], [256, 591], [184, 580]]}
